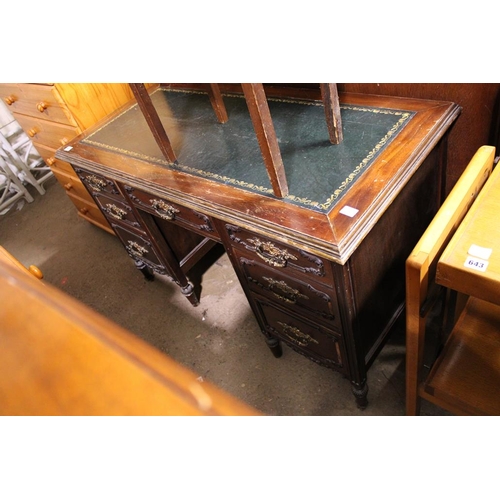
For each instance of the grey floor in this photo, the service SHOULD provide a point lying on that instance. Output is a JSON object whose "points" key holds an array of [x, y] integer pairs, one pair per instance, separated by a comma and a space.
{"points": [[219, 340]]}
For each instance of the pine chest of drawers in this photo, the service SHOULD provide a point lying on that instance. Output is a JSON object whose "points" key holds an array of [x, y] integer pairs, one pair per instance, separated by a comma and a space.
{"points": [[54, 114]]}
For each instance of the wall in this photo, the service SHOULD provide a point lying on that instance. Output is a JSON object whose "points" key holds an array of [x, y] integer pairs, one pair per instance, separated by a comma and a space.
{"points": [[475, 127]]}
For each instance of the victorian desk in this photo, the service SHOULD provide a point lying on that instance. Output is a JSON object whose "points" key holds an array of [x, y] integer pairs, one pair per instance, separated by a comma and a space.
{"points": [[322, 268]]}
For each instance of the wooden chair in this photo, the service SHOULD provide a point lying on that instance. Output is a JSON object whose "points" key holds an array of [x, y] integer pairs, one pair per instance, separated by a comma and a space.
{"points": [[465, 375], [59, 357], [261, 119]]}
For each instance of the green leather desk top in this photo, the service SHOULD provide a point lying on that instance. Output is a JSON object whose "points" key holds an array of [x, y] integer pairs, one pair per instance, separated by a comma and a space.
{"points": [[318, 173], [337, 192]]}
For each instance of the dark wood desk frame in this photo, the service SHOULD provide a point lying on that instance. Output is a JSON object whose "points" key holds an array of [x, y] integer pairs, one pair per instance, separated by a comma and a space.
{"points": [[349, 268]]}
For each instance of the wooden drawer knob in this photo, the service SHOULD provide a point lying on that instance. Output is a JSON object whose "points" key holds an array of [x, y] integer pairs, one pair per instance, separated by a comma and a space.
{"points": [[10, 100], [42, 106], [35, 272], [84, 210], [68, 186], [50, 161], [64, 141], [32, 132]]}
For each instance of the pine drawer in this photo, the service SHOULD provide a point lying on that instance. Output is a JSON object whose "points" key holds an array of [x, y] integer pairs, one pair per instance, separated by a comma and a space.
{"points": [[40, 101]]}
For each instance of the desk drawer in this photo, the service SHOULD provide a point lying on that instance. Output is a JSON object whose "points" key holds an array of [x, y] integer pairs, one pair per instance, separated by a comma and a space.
{"points": [[38, 101], [139, 248], [170, 211], [116, 210], [315, 341], [52, 134], [97, 183], [280, 256], [296, 295]]}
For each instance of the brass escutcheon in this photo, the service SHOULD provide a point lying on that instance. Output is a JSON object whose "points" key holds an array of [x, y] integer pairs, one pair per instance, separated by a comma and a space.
{"points": [[291, 294], [300, 338], [95, 183], [164, 210], [115, 212], [271, 254], [136, 249]]}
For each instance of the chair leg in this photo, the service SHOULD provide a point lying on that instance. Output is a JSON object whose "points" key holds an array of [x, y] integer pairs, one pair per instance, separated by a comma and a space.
{"points": [[266, 135], [331, 104], [153, 120], [217, 102], [11, 188]]}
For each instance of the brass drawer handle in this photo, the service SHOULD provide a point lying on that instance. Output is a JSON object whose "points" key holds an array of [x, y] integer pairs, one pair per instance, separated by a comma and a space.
{"points": [[290, 294], [10, 100], [164, 210], [95, 183], [271, 254], [296, 336], [115, 212], [135, 249], [42, 106]]}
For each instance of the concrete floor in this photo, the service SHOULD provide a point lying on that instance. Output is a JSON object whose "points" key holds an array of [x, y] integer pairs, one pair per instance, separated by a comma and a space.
{"points": [[220, 339]]}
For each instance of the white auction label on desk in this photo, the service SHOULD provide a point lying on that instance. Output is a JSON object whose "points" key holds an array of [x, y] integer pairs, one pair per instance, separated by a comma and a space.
{"points": [[475, 263]]}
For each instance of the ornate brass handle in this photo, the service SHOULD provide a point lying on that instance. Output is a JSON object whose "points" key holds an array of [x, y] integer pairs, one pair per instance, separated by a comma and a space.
{"points": [[269, 253], [42, 106], [295, 335], [164, 210], [95, 183], [115, 212], [290, 294], [135, 249]]}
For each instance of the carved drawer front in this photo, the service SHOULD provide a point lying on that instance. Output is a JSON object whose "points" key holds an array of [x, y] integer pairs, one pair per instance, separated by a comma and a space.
{"points": [[116, 211], [139, 248], [97, 183], [173, 212], [303, 298], [280, 256], [312, 340]]}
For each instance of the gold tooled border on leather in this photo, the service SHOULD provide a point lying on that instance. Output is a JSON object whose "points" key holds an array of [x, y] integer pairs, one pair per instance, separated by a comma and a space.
{"points": [[404, 117]]}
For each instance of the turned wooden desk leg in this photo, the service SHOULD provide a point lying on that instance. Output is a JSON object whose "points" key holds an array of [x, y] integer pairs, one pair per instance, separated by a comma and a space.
{"points": [[266, 135], [153, 120], [360, 392], [145, 270], [331, 104], [217, 102], [275, 345]]}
